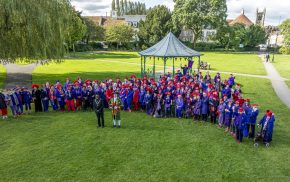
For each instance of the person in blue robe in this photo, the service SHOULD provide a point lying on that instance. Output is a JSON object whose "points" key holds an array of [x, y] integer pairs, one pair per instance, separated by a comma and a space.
{"points": [[130, 94], [251, 125], [148, 102], [197, 108], [167, 103], [227, 91], [123, 97], [267, 123], [240, 123], [141, 99], [228, 115], [27, 98], [179, 106], [44, 99], [221, 113], [204, 107]]}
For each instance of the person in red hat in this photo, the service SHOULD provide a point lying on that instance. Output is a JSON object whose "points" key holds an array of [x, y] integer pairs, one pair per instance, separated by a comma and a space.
{"points": [[136, 98], [36, 97], [254, 112], [77, 91], [267, 123], [53, 99], [69, 99], [240, 124], [213, 106], [60, 95]]}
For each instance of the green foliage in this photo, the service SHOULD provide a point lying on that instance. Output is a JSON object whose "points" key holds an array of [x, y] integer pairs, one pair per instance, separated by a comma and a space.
{"points": [[284, 50], [157, 24], [129, 7], [285, 30], [233, 36], [94, 32], [113, 5], [119, 34], [77, 28], [196, 14], [34, 29]]}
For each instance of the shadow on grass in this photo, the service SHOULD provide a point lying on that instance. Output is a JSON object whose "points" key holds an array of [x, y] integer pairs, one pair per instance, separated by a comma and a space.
{"points": [[102, 55], [40, 78]]}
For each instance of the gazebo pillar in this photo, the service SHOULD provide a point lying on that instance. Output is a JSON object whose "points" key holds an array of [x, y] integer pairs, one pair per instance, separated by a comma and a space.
{"points": [[164, 59], [173, 69], [144, 68], [154, 67], [141, 66], [198, 66]]}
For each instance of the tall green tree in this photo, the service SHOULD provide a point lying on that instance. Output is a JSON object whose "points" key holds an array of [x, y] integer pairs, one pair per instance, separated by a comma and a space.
{"points": [[119, 34], [254, 36], [157, 24], [113, 5], [77, 29], [122, 7], [126, 7], [285, 30], [34, 29], [91, 33], [195, 14], [118, 7]]}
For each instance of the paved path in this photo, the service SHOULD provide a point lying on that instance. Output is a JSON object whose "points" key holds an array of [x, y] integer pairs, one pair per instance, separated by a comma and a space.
{"points": [[18, 75], [278, 83]]}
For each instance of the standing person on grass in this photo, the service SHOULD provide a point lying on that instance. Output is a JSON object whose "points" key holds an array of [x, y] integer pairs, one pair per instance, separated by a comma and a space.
{"points": [[3, 106], [99, 110], [115, 104], [36, 96]]}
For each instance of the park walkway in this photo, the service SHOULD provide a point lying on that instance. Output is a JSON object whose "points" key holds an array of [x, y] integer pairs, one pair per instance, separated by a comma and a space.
{"points": [[18, 75], [278, 83]]}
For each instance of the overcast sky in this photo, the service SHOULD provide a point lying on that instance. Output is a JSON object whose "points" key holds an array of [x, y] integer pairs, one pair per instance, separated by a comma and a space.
{"points": [[276, 9]]}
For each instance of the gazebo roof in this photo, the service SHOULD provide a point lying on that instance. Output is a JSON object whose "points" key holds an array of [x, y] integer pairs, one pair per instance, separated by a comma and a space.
{"points": [[170, 46]]}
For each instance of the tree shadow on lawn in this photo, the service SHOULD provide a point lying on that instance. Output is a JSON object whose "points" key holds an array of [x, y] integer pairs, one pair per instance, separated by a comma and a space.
{"points": [[102, 55], [40, 78]]}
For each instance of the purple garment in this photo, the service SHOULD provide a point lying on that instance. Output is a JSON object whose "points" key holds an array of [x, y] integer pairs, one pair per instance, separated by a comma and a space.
{"points": [[190, 63]]}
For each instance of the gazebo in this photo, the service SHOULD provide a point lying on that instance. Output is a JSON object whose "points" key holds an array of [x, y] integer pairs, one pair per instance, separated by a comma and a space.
{"points": [[168, 48]]}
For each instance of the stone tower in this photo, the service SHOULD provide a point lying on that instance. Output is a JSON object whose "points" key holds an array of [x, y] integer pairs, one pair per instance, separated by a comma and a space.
{"points": [[260, 17]]}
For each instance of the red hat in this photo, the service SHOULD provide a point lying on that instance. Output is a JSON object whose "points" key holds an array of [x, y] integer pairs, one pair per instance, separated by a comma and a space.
{"points": [[168, 93], [58, 87], [255, 105], [248, 100], [238, 84], [241, 109], [269, 113], [35, 85], [133, 76], [225, 95]]}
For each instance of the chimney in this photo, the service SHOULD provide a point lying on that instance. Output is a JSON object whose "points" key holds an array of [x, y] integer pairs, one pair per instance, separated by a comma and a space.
{"points": [[243, 11]]}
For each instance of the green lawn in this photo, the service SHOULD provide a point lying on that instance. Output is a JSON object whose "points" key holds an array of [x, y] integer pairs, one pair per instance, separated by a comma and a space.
{"points": [[228, 62], [69, 147], [2, 75], [282, 64]]}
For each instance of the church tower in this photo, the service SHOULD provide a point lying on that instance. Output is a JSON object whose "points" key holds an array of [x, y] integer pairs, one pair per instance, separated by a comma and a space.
{"points": [[260, 17]]}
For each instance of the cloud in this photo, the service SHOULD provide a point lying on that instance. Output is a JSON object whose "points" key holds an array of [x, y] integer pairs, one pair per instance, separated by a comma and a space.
{"points": [[276, 9]]}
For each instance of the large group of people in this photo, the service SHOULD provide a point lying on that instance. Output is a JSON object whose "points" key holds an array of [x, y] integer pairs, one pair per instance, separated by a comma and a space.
{"points": [[182, 95]]}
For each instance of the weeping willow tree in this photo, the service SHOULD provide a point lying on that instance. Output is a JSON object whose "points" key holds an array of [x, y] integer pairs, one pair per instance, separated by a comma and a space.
{"points": [[33, 29]]}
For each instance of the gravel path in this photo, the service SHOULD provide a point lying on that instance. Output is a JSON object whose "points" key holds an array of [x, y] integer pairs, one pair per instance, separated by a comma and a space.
{"points": [[278, 83], [20, 75]]}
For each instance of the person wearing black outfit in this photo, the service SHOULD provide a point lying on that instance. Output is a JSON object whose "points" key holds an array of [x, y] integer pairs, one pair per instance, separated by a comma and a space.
{"points": [[36, 96], [98, 105]]}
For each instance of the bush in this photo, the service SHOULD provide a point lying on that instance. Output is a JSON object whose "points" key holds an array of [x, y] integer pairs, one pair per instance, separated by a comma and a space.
{"points": [[284, 50]]}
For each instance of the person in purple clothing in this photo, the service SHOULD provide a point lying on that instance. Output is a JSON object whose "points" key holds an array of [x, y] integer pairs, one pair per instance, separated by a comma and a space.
{"points": [[267, 123], [179, 106], [204, 106], [129, 96], [228, 114], [27, 98], [168, 103], [251, 125], [231, 80], [221, 113], [240, 123], [197, 108]]}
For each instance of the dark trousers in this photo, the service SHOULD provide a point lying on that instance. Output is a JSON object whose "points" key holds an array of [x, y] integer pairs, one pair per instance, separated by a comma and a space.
{"points": [[204, 117], [213, 118], [251, 129], [196, 117], [100, 116], [239, 135]]}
